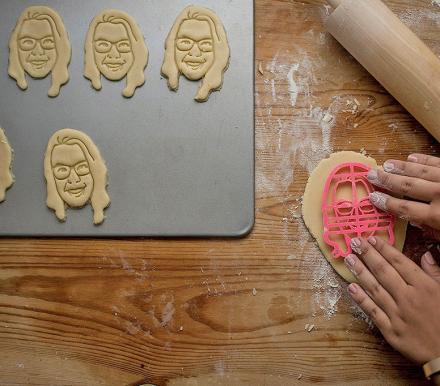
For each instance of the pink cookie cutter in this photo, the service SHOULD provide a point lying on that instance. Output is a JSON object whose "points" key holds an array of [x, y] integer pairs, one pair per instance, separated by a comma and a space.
{"points": [[345, 218]]}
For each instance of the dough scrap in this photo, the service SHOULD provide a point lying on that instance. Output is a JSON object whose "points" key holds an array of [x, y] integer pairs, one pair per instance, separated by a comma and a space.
{"points": [[76, 174], [311, 208], [39, 46], [115, 48], [197, 47], [6, 177]]}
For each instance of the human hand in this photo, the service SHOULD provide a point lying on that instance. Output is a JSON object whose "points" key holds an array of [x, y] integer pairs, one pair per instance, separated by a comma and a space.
{"points": [[419, 179], [402, 299]]}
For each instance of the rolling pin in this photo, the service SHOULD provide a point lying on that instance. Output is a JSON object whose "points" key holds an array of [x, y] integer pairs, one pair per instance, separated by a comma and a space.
{"points": [[393, 54]]}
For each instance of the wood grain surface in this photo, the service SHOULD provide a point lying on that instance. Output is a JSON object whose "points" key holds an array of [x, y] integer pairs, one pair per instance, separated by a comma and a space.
{"points": [[227, 312]]}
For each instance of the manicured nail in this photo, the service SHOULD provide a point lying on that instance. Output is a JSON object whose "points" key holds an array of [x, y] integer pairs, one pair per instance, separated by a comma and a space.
{"points": [[356, 242], [355, 245], [429, 258], [412, 158], [379, 200], [389, 167], [353, 289], [373, 176], [372, 240], [350, 260]]}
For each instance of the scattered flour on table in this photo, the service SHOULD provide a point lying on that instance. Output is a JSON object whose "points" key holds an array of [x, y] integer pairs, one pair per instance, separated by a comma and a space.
{"points": [[305, 139], [293, 86], [301, 143], [167, 314], [220, 368], [327, 291], [415, 18], [295, 125]]}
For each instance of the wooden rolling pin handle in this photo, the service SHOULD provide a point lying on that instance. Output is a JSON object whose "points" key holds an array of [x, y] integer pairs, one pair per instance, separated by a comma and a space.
{"points": [[334, 3], [393, 54]]}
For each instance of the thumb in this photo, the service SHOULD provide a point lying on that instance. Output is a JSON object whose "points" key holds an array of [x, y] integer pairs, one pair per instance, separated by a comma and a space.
{"points": [[430, 266]]}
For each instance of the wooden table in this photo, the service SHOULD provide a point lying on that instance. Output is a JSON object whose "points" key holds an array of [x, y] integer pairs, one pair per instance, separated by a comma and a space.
{"points": [[227, 312]]}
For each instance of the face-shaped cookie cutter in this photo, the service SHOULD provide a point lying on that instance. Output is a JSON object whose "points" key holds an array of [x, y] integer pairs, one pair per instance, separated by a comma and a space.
{"points": [[39, 45], [76, 174], [355, 216], [197, 47], [115, 48]]}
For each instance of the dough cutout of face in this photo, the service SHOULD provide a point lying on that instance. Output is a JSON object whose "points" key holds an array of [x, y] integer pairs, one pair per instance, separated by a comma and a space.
{"points": [[116, 49], [6, 177], [39, 46], [75, 174], [197, 47]]}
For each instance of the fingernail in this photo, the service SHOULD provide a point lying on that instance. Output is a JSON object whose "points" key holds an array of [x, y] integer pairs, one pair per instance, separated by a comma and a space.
{"points": [[350, 260], [355, 245], [372, 240], [379, 200], [373, 176], [412, 158], [429, 258], [389, 167], [352, 288], [355, 242]]}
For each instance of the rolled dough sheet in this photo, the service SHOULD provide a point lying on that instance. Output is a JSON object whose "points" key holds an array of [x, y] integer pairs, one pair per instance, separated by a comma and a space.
{"points": [[311, 208]]}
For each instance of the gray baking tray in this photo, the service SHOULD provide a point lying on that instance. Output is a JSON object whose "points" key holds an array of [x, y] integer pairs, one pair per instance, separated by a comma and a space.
{"points": [[176, 167]]}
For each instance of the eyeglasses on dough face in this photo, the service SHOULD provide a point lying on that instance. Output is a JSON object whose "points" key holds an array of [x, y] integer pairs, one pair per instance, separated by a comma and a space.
{"points": [[187, 44]]}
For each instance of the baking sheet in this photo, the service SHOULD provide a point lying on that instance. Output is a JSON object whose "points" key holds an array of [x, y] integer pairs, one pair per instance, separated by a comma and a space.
{"points": [[176, 167]]}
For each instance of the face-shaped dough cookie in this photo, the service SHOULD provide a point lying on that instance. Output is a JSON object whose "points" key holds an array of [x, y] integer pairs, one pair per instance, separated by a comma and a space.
{"points": [[6, 178], [115, 48], [76, 174], [198, 48], [38, 46]]}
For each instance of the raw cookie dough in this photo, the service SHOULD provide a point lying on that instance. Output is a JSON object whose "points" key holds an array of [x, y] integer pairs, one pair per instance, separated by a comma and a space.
{"points": [[115, 48], [6, 177], [75, 174], [198, 48], [311, 208], [39, 45]]}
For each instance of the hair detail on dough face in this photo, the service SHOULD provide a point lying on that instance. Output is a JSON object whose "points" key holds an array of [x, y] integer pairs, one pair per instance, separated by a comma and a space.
{"points": [[60, 72], [213, 79]]}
